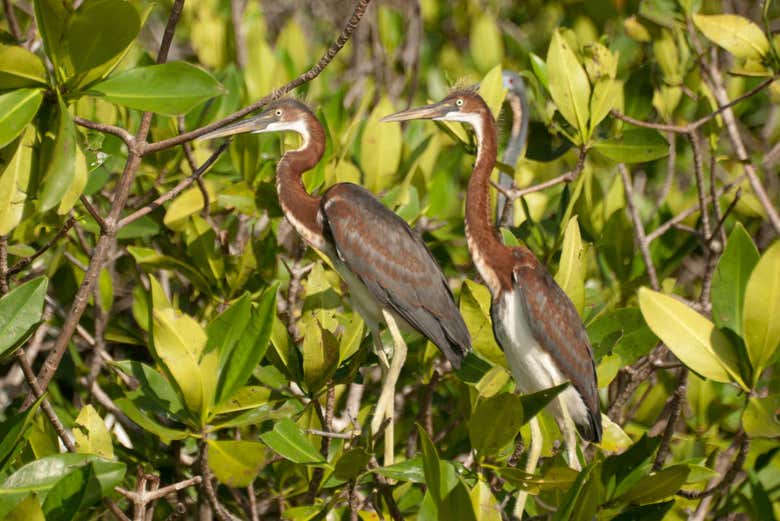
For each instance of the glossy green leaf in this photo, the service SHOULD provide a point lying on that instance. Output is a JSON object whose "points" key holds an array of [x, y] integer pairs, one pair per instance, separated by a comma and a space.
{"points": [[152, 259], [634, 146], [761, 418], [380, 148], [457, 503], [440, 477], [659, 485], [179, 342], [488, 435], [690, 336], [20, 312], [571, 270], [760, 324], [77, 491], [540, 69], [187, 203], [738, 35], [28, 510], [484, 503], [41, 475], [143, 420], [169, 89], [106, 39], [568, 508], [289, 441], [236, 463], [730, 279], [569, 85], [20, 68], [492, 90], [77, 184], [408, 470], [606, 93], [239, 356], [535, 402], [17, 109], [15, 181], [91, 434], [247, 397], [153, 387], [351, 338], [61, 167], [51, 16]]}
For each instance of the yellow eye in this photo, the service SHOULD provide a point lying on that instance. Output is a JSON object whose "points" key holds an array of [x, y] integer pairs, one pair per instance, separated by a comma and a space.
{"points": [[459, 102], [278, 113]]}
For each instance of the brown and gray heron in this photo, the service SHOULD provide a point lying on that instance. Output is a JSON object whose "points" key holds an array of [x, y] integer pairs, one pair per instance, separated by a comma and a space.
{"points": [[392, 276], [534, 322]]}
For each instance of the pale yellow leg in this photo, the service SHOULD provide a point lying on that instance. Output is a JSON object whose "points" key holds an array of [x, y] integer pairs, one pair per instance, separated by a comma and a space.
{"points": [[534, 451], [385, 406], [569, 436]]}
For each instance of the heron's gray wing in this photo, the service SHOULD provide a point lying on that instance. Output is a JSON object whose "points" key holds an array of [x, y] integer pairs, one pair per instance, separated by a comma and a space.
{"points": [[395, 265], [557, 326]]}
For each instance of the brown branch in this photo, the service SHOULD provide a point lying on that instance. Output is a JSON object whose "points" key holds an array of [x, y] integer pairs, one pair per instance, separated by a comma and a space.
{"points": [[514, 193], [239, 40], [639, 228], [93, 212], [13, 23], [674, 414], [326, 419], [107, 235], [3, 265], [307, 76], [387, 492], [698, 171], [671, 169], [743, 443], [176, 190], [119, 132], [26, 261]]}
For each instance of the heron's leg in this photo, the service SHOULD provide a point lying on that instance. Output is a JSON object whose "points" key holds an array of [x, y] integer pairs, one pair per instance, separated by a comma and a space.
{"points": [[385, 406], [569, 436], [380, 350], [534, 451]]}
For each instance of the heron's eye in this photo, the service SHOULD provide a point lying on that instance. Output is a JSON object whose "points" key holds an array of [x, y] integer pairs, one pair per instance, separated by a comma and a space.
{"points": [[459, 102], [278, 112]]}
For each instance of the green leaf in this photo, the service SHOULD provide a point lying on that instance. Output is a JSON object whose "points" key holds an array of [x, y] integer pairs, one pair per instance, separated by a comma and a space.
{"points": [[15, 181], [14, 430], [20, 68], [457, 503], [486, 43], [569, 86], [77, 491], [540, 70], [76, 187], [91, 434], [567, 510], [654, 512], [691, 337], [247, 397], [606, 93], [571, 270], [351, 464], [533, 403], [92, 40], [239, 357], [21, 310], [659, 485], [409, 470], [320, 353], [761, 418], [169, 89], [760, 324], [475, 308], [736, 34], [380, 148], [143, 420], [187, 203], [178, 342], [61, 167], [634, 146], [484, 503], [151, 259], [351, 337], [51, 17], [487, 435], [492, 90], [289, 441], [153, 387], [236, 463], [40, 476], [28, 510], [730, 279], [17, 109]]}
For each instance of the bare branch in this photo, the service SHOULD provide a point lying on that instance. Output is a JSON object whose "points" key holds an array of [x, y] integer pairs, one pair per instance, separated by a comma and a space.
{"points": [[13, 23], [639, 229], [119, 132], [222, 513], [3, 265], [674, 414], [307, 76], [93, 212], [514, 193], [23, 263]]}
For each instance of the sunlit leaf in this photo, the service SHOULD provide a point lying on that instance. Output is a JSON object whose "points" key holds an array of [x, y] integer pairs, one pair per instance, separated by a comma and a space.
{"points": [[571, 270], [320, 353], [736, 34], [762, 417], [289, 441], [730, 279], [487, 435], [15, 181], [17, 109], [475, 308], [20, 68], [760, 325], [634, 146], [236, 463], [380, 148], [569, 86], [91, 434], [487, 46]]}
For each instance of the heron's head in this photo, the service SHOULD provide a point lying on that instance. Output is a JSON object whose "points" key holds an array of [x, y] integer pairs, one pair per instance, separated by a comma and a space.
{"points": [[465, 106], [287, 114]]}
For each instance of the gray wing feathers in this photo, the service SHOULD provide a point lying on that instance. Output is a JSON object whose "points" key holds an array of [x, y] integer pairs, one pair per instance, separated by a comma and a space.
{"points": [[395, 265]]}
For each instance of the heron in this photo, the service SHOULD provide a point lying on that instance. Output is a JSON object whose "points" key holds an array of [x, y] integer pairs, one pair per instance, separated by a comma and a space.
{"points": [[535, 323], [391, 274], [518, 136]]}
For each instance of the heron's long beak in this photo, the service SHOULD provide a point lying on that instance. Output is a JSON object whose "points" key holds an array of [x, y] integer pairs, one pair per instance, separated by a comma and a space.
{"points": [[254, 124], [432, 111]]}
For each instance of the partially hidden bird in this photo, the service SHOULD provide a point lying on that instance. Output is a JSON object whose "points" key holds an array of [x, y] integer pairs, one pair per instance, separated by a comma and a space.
{"points": [[517, 100], [534, 321], [391, 274]]}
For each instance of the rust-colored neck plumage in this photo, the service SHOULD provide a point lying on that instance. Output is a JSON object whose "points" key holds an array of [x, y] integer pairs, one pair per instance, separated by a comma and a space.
{"points": [[300, 207], [491, 257]]}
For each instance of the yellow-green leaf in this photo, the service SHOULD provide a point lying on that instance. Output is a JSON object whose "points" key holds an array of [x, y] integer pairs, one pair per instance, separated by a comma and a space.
{"points": [[17, 108], [380, 148], [571, 270], [487, 47], [189, 202], [569, 86], [20, 68], [614, 439], [760, 323], [486, 507], [475, 308], [15, 181], [91, 434], [606, 93], [492, 90], [736, 34], [760, 418], [61, 165], [690, 336], [76, 185], [236, 463]]}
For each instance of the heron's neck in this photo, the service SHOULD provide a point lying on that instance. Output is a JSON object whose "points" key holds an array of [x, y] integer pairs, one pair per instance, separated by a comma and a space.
{"points": [[487, 250], [300, 207]]}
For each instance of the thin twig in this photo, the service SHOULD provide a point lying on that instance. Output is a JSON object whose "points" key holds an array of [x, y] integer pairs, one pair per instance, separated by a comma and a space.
{"points": [[3, 265], [93, 212], [26, 261], [698, 170], [639, 228], [160, 492], [743, 443], [307, 76], [119, 132], [674, 414], [515, 193], [239, 40], [13, 23]]}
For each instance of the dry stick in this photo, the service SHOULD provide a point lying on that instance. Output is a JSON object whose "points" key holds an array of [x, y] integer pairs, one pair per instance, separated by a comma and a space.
{"points": [[253, 512], [386, 490], [674, 414], [13, 23], [698, 170], [639, 229], [326, 419], [23, 263], [670, 171], [3, 265], [148, 496], [176, 190], [93, 212], [107, 235], [715, 203], [307, 76], [198, 179]]}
